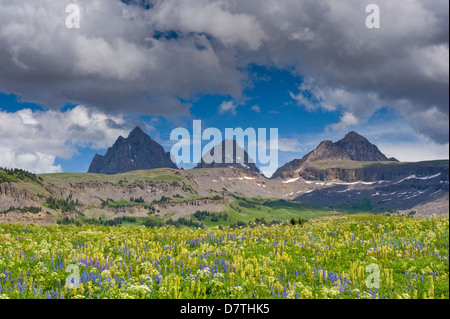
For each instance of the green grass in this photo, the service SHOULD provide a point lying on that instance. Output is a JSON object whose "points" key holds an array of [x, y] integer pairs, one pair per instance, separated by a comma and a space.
{"points": [[248, 209], [364, 205], [8, 178], [244, 210], [33, 185], [141, 220], [130, 178]]}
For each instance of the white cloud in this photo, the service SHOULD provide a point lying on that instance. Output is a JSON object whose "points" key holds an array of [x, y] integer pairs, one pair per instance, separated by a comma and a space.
{"points": [[33, 140], [347, 120], [212, 17], [127, 58], [256, 108], [315, 95], [228, 106]]}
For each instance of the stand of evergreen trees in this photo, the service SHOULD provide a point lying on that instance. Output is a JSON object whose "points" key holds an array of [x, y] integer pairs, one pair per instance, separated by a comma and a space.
{"points": [[96, 222], [300, 221], [201, 215], [151, 223], [65, 205], [184, 222], [33, 210], [19, 174]]}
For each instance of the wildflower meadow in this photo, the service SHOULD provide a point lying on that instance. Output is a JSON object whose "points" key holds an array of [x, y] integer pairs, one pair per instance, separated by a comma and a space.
{"points": [[347, 257]]}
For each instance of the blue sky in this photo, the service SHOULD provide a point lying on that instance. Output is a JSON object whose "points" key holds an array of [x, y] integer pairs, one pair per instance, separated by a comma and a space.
{"points": [[85, 87], [300, 129]]}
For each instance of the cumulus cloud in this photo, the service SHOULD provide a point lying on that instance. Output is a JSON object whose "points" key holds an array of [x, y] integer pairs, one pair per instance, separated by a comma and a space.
{"points": [[346, 121], [125, 58], [256, 108], [33, 140], [115, 61], [214, 17], [228, 106]]}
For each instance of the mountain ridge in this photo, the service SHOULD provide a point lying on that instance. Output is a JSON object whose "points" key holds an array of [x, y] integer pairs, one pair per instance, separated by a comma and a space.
{"points": [[170, 193]]}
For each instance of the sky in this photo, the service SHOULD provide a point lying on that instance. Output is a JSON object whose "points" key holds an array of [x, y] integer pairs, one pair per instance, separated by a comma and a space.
{"points": [[310, 68]]}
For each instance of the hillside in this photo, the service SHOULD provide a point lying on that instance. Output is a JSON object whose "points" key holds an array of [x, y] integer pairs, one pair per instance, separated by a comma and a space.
{"points": [[157, 195], [165, 194]]}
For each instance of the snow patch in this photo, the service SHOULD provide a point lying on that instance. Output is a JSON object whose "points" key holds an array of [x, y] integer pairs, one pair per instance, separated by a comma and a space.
{"points": [[416, 177], [321, 183], [291, 180]]}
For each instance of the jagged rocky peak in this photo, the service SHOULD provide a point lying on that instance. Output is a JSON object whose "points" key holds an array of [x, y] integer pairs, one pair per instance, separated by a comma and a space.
{"points": [[136, 152], [231, 158]]}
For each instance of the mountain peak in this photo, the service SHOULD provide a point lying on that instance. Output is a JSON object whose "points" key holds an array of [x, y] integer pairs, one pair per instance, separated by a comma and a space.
{"points": [[137, 131], [353, 136], [137, 152], [246, 163], [353, 147], [360, 149]]}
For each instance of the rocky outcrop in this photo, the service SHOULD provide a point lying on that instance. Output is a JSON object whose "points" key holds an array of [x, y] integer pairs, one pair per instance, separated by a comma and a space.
{"points": [[15, 191], [12, 194], [137, 152]]}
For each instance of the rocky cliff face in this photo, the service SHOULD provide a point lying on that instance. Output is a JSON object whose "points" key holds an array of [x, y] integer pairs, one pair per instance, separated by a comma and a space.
{"points": [[353, 147], [14, 195], [378, 187], [230, 158], [375, 172], [137, 152]]}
